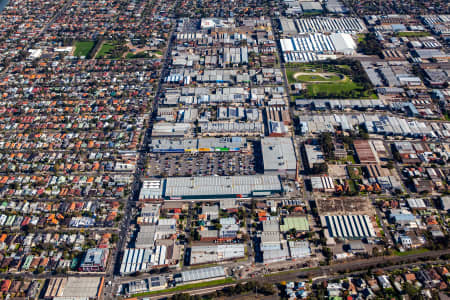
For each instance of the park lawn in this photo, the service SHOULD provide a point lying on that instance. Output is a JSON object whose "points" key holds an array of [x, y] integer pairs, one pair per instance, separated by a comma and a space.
{"points": [[111, 50], [412, 34], [290, 75], [104, 50], [343, 90], [142, 54], [309, 78], [411, 252], [187, 287], [83, 48]]}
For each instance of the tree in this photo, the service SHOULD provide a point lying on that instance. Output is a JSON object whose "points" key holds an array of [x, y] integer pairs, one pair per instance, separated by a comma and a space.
{"points": [[326, 141], [390, 165], [369, 45], [319, 168]]}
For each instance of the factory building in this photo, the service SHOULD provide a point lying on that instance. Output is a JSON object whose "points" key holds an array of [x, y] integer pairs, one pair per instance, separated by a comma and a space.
{"points": [[154, 283], [216, 253], [279, 156], [365, 152], [322, 25], [322, 184], [203, 274], [348, 226], [376, 124], [299, 249], [310, 47], [207, 187], [314, 155]]}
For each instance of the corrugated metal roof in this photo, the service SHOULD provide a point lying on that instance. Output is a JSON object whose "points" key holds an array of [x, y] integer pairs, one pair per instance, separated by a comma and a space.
{"points": [[220, 185]]}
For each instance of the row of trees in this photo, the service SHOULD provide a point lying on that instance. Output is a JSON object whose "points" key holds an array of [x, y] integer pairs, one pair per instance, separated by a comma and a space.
{"points": [[265, 289]]}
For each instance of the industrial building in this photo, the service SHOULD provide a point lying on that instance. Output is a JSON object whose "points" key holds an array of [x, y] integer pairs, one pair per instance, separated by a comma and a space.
{"points": [[197, 275], [299, 249], [178, 130], [279, 156], [314, 155], [151, 190], [206, 187], [348, 226], [202, 254], [445, 203], [341, 104], [322, 25], [275, 255], [223, 144], [154, 283], [365, 152], [374, 123], [270, 240], [232, 128], [322, 184], [136, 260], [317, 46]]}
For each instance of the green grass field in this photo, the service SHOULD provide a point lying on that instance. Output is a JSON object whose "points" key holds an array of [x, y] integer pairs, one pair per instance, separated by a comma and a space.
{"points": [[309, 78], [111, 50], [83, 48], [304, 78], [142, 54], [345, 89], [337, 84], [411, 252], [412, 34], [187, 287], [104, 50]]}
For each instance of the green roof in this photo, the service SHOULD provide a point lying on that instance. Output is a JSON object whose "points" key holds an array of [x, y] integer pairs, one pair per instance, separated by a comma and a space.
{"points": [[299, 223]]}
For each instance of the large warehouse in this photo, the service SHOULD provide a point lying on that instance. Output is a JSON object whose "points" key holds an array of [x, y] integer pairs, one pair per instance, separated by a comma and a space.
{"points": [[209, 144], [348, 226], [322, 25], [207, 187], [279, 156], [309, 47], [197, 275]]}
